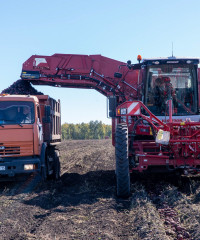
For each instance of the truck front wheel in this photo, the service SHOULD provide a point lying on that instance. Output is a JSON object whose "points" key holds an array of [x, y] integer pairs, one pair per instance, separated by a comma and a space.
{"points": [[122, 161]]}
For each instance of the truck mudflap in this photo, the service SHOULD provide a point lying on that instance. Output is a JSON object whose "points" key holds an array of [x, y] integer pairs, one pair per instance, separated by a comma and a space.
{"points": [[13, 166]]}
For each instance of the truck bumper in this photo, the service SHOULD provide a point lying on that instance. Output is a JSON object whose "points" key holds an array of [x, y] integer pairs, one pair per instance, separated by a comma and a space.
{"points": [[13, 166]]}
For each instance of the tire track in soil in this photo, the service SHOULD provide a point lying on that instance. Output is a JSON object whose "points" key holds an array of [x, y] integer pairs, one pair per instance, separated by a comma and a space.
{"points": [[16, 191], [39, 221], [17, 186]]}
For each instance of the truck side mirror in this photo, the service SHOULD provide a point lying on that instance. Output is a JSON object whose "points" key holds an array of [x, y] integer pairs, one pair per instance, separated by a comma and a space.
{"points": [[111, 106], [47, 118]]}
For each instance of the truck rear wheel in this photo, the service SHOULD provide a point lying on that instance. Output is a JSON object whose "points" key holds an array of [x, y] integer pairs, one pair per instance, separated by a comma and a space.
{"points": [[56, 166], [53, 164], [43, 170], [44, 173], [122, 162]]}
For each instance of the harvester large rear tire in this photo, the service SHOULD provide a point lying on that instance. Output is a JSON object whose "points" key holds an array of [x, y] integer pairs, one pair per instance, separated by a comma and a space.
{"points": [[122, 161]]}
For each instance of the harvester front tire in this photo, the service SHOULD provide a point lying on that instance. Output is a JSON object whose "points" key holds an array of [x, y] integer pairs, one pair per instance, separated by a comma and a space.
{"points": [[122, 161]]}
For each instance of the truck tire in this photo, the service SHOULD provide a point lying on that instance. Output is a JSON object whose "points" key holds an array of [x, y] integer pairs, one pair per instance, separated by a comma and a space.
{"points": [[43, 173], [122, 161], [56, 166], [53, 164], [43, 170]]}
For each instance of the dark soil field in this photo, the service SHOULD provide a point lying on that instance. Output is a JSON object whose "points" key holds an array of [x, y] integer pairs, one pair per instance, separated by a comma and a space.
{"points": [[83, 203]]}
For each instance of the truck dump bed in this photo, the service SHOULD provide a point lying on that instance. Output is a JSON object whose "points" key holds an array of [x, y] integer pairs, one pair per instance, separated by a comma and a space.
{"points": [[51, 128]]}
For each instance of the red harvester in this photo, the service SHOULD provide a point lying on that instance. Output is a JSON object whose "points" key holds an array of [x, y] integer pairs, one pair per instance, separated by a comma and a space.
{"points": [[154, 106]]}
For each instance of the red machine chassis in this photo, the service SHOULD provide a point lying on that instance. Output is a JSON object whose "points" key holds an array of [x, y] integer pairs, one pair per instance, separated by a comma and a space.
{"points": [[182, 151]]}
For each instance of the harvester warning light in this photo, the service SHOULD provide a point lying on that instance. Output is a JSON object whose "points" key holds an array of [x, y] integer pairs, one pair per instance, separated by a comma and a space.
{"points": [[118, 111], [139, 58]]}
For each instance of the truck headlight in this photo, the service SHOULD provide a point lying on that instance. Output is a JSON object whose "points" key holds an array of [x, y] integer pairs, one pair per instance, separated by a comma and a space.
{"points": [[28, 167]]}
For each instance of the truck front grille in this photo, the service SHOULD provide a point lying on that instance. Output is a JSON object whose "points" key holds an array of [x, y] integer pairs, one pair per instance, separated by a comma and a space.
{"points": [[8, 151], [11, 150]]}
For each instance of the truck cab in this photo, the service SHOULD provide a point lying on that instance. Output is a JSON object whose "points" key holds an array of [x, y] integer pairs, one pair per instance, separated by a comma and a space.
{"points": [[25, 146]]}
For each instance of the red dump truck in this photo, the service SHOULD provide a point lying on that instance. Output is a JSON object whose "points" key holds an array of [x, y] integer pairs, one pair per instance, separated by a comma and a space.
{"points": [[30, 130]]}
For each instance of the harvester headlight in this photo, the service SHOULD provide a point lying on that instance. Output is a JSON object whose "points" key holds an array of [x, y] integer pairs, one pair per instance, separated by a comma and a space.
{"points": [[163, 137], [123, 111], [28, 167]]}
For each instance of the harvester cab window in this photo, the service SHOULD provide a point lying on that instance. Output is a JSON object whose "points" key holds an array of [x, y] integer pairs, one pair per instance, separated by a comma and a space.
{"points": [[16, 112], [176, 82]]}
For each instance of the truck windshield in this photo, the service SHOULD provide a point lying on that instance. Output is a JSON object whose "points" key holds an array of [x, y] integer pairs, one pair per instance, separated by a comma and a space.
{"points": [[16, 112], [176, 82]]}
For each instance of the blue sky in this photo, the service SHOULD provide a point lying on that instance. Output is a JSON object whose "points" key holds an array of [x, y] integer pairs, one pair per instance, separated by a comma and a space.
{"points": [[116, 29]]}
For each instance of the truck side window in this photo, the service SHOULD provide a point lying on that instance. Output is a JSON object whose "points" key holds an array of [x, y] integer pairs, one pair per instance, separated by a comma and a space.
{"points": [[38, 113]]}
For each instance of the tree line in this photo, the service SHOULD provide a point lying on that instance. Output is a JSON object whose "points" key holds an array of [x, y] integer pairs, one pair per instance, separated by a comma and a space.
{"points": [[91, 130]]}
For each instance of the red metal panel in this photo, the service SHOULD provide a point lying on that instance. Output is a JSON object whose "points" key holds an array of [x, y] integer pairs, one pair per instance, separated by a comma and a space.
{"points": [[83, 71]]}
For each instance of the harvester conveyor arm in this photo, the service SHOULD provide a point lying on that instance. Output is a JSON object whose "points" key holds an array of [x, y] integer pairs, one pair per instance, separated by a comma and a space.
{"points": [[82, 71]]}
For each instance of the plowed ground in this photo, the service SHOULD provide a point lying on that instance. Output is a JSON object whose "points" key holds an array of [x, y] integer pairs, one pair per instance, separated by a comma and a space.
{"points": [[83, 204]]}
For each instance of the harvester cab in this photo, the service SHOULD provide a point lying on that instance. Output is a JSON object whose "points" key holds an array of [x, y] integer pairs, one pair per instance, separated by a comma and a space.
{"points": [[172, 79]]}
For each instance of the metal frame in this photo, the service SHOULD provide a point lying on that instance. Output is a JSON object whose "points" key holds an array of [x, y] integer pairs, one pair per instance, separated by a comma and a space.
{"points": [[182, 151]]}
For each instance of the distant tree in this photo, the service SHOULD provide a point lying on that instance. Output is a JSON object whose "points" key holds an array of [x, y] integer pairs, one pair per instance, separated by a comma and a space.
{"points": [[108, 130], [100, 131], [84, 131], [65, 131], [91, 130]]}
